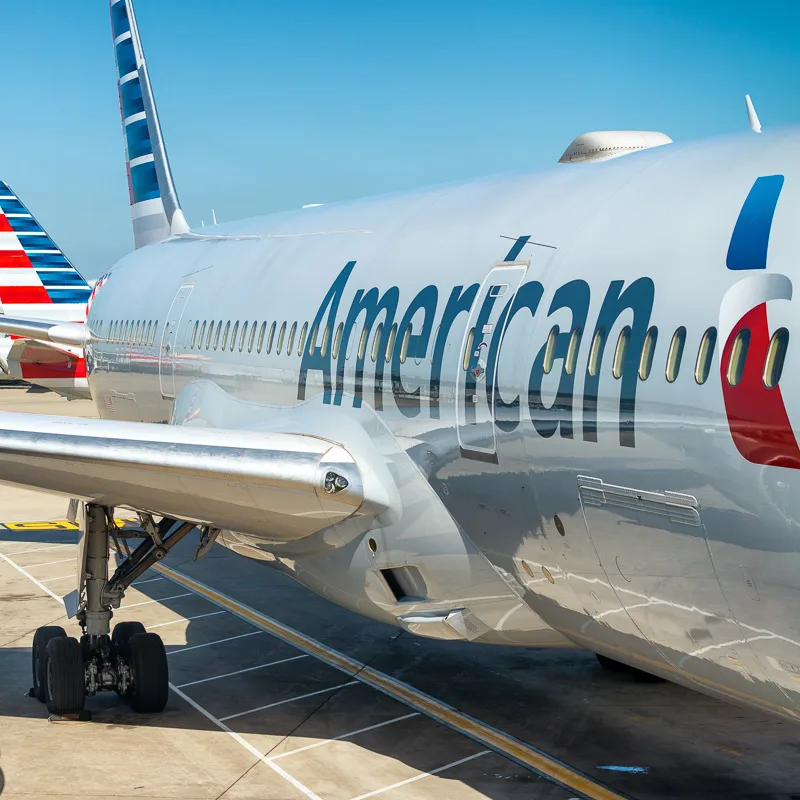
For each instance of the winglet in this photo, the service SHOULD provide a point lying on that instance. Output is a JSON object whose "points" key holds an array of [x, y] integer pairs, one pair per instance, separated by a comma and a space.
{"points": [[752, 117], [155, 207]]}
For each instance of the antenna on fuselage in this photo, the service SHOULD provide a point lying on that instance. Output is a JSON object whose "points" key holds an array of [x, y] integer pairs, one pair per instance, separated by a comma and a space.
{"points": [[752, 117], [213, 216]]}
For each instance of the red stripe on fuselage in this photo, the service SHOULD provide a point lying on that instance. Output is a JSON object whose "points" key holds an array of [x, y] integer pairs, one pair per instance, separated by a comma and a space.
{"points": [[760, 426], [67, 369], [5, 225]]}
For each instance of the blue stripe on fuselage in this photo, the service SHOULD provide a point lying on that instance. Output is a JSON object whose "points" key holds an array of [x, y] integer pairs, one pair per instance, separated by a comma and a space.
{"points": [[750, 239]]}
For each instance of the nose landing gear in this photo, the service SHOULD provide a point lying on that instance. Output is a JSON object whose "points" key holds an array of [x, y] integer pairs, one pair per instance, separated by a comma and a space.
{"points": [[130, 660]]}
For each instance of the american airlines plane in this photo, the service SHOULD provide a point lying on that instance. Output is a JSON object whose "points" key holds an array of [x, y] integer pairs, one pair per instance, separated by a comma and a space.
{"points": [[548, 409]]}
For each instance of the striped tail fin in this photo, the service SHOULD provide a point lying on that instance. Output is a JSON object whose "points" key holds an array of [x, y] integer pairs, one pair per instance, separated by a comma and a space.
{"points": [[155, 208], [36, 279]]}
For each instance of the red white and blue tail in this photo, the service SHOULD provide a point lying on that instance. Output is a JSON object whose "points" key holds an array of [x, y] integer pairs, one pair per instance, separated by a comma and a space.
{"points": [[39, 288], [36, 279], [155, 208]]}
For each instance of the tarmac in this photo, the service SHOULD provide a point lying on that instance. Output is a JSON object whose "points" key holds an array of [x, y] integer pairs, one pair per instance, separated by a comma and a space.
{"points": [[278, 693]]}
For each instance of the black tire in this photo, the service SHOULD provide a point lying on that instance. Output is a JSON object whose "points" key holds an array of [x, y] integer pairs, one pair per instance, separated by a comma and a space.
{"points": [[66, 683], [626, 669], [39, 658], [121, 636], [148, 660]]}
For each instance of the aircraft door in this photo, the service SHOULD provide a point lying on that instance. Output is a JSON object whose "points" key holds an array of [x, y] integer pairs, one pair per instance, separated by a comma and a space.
{"points": [[479, 357], [166, 361]]}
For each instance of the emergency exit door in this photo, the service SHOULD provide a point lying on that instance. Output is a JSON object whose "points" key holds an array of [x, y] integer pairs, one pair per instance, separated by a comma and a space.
{"points": [[480, 352], [169, 339]]}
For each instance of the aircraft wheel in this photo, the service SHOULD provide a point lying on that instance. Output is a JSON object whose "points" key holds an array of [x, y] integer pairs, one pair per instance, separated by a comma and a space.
{"points": [[39, 658], [610, 665], [66, 681], [121, 637], [148, 661]]}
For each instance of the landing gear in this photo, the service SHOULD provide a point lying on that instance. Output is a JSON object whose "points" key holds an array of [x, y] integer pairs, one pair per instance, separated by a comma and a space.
{"points": [[620, 668], [129, 661]]}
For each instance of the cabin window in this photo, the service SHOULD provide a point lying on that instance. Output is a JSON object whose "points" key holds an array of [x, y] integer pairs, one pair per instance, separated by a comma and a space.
{"points": [[362, 343], [136, 335], [271, 337], [194, 333], [621, 351], [201, 336], [376, 342], [243, 337], [303, 334], [596, 353], [390, 343], [675, 354], [705, 355], [776, 355], [234, 334], [326, 337], [252, 338], [404, 345], [337, 340], [550, 350], [147, 334], [281, 336], [217, 334], [648, 351], [225, 335], [290, 342], [312, 340], [125, 332], [262, 332], [153, 334], [468, 349], [210, 335], [738, 356]]}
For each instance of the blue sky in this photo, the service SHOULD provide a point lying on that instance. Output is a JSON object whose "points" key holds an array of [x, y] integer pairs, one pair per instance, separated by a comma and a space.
{"points": [[270, 104]]}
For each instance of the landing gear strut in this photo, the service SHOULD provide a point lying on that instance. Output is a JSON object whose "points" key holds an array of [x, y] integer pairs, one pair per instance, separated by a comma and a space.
{"points": [[129, 661]]}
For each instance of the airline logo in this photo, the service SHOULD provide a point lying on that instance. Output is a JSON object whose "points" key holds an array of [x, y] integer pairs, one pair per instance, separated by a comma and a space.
{"points": [[757, 416], [33, 270], [759, 422]]}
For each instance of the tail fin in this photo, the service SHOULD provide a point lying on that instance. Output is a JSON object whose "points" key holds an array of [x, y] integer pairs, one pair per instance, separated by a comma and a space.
{"points": [[36, 278], [155, 208]]}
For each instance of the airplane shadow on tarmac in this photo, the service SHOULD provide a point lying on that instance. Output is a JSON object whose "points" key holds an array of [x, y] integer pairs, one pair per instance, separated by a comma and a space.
{"points": [[560, 701]]}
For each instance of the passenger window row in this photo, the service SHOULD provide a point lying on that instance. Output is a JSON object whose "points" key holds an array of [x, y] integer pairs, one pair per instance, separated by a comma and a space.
{"points": [[771, 371], [247, 335], [137, 332], [216, 335]]}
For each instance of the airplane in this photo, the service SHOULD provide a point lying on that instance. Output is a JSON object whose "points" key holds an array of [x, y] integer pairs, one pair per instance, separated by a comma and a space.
{"points": [[546, 409]]}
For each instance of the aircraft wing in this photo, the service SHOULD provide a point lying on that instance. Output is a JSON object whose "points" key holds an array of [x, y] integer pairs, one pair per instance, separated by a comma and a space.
{"points": [[65, 333], [281, 487]]}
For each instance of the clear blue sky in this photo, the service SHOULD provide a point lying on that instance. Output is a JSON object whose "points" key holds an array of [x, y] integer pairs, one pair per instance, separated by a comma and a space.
{"points": [[270, 104]]}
